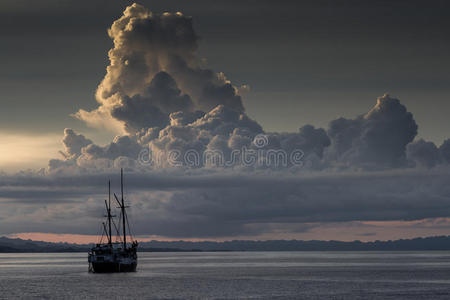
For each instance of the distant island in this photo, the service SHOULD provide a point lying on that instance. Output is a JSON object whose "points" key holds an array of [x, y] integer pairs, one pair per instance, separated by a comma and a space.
{"points": [[8, 245]]}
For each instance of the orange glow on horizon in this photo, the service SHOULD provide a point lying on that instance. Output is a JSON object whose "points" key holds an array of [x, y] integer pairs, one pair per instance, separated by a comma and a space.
{"points": [[359, 230], [86, 239]]}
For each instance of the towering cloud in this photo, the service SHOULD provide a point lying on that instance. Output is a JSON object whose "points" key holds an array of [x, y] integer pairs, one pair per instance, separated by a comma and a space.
{"points": [[154, 69]]}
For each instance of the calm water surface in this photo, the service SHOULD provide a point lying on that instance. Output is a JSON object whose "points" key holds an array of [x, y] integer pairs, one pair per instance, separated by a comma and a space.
{"points": [[231, 275]]}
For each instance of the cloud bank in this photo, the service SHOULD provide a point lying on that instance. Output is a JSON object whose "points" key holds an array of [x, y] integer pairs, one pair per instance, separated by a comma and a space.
{"points": [[199, 166], [226, 204], [164, 102]]}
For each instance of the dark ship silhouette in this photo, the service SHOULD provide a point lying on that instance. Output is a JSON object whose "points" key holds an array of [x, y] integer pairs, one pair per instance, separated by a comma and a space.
{"points": [[115, 256]]}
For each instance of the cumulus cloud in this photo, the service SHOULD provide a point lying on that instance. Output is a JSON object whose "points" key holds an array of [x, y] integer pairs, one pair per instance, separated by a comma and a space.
{"points": [[163, 97], [376, 139], [444, 151], [204, 133], [423, 154], [154, 67], [73, 143]]}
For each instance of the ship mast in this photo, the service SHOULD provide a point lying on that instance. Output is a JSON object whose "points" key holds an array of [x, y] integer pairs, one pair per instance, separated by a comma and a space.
{"points": [[109, 212], [123, 211], [122, 207]]}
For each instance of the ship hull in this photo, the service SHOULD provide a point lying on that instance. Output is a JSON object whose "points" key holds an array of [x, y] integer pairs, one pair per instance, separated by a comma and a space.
{"points": [[109, 259], [112, 267]]}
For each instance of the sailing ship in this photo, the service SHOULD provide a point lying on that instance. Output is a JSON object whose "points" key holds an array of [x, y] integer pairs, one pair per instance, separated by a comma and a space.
{"points": [[117, 256]]}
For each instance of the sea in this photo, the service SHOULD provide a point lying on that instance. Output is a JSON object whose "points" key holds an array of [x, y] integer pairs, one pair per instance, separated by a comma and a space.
{"points": [[232, 275]]}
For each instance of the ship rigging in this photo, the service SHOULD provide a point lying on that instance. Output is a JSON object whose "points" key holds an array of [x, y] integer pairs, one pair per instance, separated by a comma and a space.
{"points": [[115, 256]]}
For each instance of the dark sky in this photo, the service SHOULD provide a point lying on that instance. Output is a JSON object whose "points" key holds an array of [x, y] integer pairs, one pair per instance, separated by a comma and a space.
{"points": [[305, 61]]}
